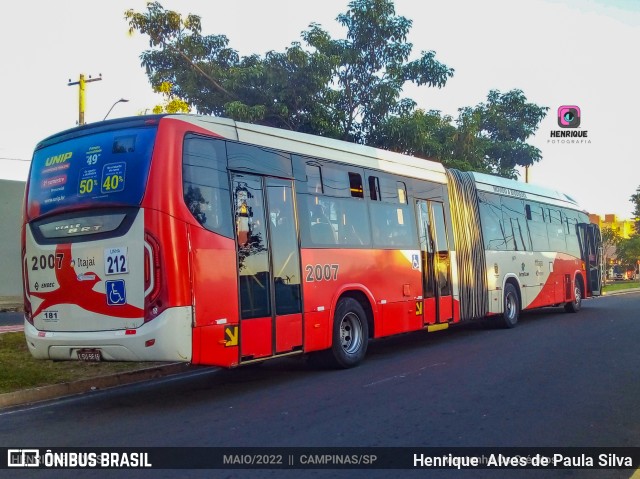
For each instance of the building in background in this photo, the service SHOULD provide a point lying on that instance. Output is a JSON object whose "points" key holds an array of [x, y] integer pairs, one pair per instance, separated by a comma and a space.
{"points": [[11, 196], [623, 228]]}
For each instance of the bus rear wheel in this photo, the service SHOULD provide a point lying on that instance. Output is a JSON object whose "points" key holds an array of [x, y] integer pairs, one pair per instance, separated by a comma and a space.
{"points": [[575, 305], [350, 333], [511, 307]]}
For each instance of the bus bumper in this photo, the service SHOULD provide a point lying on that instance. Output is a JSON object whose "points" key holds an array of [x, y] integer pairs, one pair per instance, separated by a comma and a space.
{"points": [[165, 338]]}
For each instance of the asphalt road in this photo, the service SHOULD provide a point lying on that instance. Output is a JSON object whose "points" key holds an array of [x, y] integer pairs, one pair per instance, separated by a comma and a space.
{"points": [[11, 319], [556, 380]]}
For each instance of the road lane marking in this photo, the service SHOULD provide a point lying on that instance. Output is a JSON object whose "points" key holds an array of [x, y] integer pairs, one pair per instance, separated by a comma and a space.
{"points": [[403, 375]]}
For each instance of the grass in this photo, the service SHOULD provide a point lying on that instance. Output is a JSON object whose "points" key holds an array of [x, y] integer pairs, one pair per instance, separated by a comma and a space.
{"points": [[618, 285], [19, 370]]}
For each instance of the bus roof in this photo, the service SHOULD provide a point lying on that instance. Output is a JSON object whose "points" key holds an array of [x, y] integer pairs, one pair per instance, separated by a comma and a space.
{"points": [[507, 186], [326, 148], [366, 157], [321, 147], [106, 125]]}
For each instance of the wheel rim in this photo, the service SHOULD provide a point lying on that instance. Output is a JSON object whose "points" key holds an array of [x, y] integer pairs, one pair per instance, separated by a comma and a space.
{"points": [[510, 306], [350, 333], [578, 294]]}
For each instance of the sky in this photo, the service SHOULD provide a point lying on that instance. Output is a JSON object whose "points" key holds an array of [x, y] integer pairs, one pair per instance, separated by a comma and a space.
{"points": [[558, 52]]}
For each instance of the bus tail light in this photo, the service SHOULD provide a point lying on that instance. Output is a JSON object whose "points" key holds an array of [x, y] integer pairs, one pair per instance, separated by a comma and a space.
{"points": [[25, 285], [154, 287]]}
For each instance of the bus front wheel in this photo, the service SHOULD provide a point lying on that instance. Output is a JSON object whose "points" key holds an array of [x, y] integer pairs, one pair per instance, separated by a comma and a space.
{"points": [[350, 333]]}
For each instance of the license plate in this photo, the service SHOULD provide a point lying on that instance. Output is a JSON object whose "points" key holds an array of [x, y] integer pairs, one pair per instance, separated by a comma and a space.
{"points": [[92, 355]]}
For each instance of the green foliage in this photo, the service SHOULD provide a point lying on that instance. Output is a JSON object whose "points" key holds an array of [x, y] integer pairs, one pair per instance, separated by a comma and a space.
{"points": [[610, 238], [172, 104], [635, 199], [337, 88], [493, 134], [620, 285], [281, 89], [21, 371], [610, 241], [423, 134], [489, 138], [369, 69], [349, 88], [628, 251]]}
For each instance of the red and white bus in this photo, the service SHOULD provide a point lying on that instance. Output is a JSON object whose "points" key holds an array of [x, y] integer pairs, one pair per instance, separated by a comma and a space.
{"points": [[204, 240]]}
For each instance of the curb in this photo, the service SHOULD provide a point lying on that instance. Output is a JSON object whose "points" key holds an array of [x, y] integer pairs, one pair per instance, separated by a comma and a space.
{"points": [[620, 291], [10, 308], [10, 304], [55, 391]]}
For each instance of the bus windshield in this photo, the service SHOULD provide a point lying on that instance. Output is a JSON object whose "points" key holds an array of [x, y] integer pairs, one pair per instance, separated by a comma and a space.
{"points": [[107, 167]]}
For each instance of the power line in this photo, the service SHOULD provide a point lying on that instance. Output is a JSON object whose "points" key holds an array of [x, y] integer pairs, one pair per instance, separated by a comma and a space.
{"points": [[14, 159]]}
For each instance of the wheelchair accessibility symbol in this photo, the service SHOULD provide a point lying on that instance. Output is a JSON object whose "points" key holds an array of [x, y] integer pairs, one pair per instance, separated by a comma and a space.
{"points": [[116, 293]]}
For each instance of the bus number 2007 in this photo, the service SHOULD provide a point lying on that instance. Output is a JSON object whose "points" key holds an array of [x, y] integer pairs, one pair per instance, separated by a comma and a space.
{"points": [[321, 272], [47, 262]]}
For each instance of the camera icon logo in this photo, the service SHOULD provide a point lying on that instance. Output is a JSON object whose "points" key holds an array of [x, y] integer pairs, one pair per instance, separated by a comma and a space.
{"points": [[569, 116]]}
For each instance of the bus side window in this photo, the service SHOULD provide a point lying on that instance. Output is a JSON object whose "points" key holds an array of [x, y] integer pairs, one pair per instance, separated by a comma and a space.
{"points": [[514, 221], [205, 183], [374, 188], [491, 221], [538, 229], [555, 231], [320, 227], [314, 178], [355, 185]]}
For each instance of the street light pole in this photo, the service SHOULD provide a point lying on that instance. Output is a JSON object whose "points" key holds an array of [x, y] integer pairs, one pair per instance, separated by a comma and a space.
{"points": [[121, 100], [81, 95]]}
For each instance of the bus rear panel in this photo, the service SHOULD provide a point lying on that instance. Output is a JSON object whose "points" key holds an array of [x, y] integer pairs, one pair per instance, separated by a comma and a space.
{"points": [[92, 265]]}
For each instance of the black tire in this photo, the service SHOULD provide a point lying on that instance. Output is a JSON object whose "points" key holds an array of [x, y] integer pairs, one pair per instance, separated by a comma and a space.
{"points": [[511, 307], [350, 336], [575, 305]]}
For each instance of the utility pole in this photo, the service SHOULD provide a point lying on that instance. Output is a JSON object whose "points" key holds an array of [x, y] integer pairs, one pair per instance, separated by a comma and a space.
{"points": [[81, 95]]}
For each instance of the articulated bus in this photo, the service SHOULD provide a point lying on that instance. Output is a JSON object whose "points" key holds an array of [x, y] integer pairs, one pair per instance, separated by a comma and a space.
{"points": [[204, 240]]}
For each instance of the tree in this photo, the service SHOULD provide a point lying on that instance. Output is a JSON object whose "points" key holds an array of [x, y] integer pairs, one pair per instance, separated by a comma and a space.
{"points": [[493, 134], [370, 68], [349, 88], [340, 88], [418, 133], [628, 252], [172, 104], [490, 137], [211, 77], [635, 199], [610, 241]]}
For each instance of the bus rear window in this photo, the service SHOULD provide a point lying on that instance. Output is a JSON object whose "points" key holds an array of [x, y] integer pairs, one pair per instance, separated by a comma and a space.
{"points": [[104, 168]]}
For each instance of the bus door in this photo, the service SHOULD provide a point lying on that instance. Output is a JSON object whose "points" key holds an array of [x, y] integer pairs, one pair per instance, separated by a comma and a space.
{"points": [[268, 266], [590, 250], [436, 262]]}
